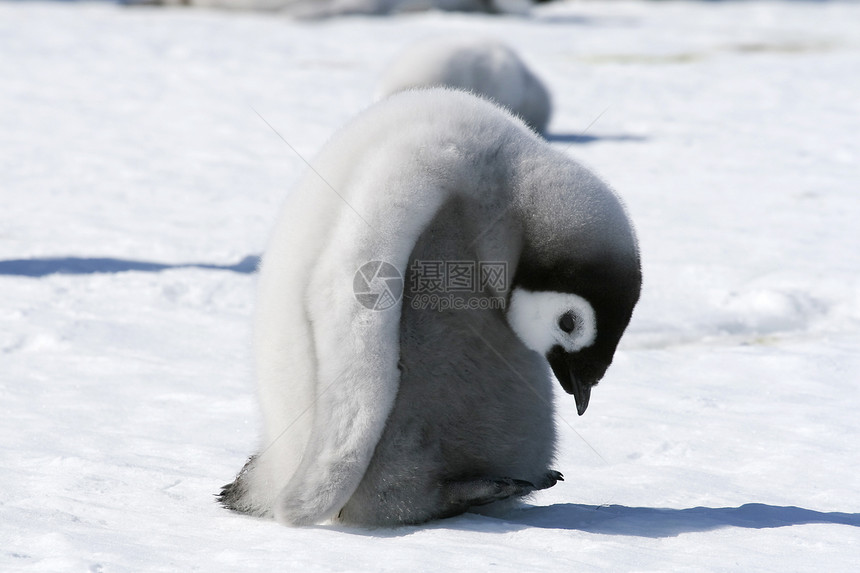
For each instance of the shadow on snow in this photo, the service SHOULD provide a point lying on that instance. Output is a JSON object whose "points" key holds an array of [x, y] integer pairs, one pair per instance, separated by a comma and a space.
{"points": [[583, 138], [653, 522], [86, 266], [664, 522]]}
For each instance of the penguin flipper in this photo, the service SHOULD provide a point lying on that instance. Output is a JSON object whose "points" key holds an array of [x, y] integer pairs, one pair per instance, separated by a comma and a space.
{"points": [[355, 388], [354, 396]]}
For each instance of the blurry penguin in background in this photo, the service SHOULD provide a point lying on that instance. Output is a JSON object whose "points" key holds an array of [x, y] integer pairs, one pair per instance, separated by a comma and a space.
{"points": [[485, 67], [423, 411], [318, 9]]}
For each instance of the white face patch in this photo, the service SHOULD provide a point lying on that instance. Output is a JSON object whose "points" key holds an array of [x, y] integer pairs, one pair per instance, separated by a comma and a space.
{"points": [[544, 319]]}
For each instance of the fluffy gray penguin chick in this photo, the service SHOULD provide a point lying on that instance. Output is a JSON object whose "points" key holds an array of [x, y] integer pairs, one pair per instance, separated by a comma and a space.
{"points": [[317, 9], [416, 411], [483, 66]]}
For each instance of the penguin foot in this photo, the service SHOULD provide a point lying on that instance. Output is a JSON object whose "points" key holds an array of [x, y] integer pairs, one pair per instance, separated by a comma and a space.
{"points": [[551, 478], [460, 495]]}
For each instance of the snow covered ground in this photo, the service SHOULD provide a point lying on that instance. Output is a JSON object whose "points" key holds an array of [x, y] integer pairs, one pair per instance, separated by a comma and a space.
{"points": [[724, 438]]}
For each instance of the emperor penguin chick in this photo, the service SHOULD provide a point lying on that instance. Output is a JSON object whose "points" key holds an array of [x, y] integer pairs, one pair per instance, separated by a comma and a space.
{"points": [[483, 66], [421, 282]]}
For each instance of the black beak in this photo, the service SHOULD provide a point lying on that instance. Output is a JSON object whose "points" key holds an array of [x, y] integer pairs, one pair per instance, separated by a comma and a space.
{"points": [[562, 364]]}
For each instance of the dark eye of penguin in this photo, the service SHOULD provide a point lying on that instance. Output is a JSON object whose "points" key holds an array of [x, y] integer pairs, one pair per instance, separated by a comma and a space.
{"points": [[567, 323]]}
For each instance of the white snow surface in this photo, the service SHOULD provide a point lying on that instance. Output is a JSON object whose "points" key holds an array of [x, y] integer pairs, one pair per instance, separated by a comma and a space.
{"points": [[723, 438]]}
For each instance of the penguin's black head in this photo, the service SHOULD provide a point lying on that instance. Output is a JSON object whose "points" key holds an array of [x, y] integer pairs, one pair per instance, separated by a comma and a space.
{"points": [[574, 314]]}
